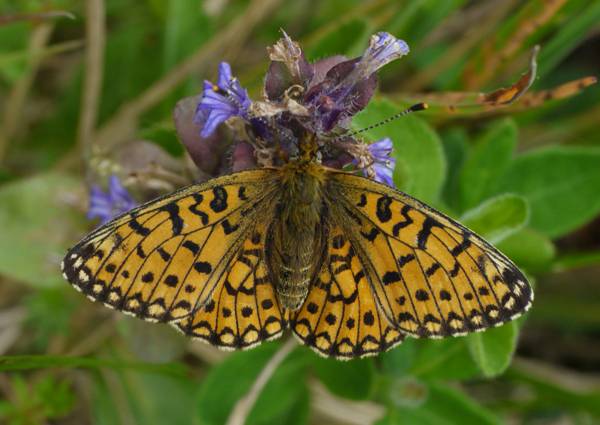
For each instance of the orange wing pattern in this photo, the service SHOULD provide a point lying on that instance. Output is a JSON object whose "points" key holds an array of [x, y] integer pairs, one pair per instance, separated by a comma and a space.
{"points": [[243, 309], [163, 260], [340, 316], [429, 275]]}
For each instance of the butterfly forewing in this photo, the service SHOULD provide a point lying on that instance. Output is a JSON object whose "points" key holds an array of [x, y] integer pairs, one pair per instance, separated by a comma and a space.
{"points": [[430, 276], [163, 260]]}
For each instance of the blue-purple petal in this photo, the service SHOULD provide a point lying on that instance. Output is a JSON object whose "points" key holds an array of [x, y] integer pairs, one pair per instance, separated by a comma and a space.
{"points": [[383, 49], [221, 102], [225, 75], [106, 205]]}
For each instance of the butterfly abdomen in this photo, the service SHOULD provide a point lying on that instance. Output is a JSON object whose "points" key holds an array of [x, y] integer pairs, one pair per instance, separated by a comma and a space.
{"points": [[295, 236]]}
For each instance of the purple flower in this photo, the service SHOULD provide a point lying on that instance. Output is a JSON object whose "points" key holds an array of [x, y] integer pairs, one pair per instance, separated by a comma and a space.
{"points": [[107, 205], [348, 86], [302, 101], [383, 49], [222, 101], [383, 163]]}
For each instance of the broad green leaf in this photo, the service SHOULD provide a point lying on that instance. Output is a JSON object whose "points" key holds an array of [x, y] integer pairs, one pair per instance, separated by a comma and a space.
{"points": [[296, 413], [415, 143], [561, 185], [185, 29], [456, 148], [529, 249], [353, 380], [38, 224], [26, 362], [49, 314], [445, 405], [498, 217], [488, 160], [447, 358], [159, 399], [279, 397], [227, 382], [103, 409], [398, 361], [493, 349]]}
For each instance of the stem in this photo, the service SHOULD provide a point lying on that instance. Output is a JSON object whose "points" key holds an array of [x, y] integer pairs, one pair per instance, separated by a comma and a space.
{"points": [[242, 408], [94, 67]]}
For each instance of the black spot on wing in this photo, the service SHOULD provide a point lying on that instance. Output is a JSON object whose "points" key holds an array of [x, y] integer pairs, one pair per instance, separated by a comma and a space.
{"points": [[202, 267], [138, 228], [229, 228], [461, 247], [371, 235], [383, 211], [191, 246], [402, 224], [194, 209], [176, 220], [391, 277], [425, 231], [405, 259], [163, 254], [363, 200], [219, 201]]}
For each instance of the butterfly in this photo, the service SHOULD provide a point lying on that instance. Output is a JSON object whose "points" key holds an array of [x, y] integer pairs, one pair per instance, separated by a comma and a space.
{"points": [[350, 265]]}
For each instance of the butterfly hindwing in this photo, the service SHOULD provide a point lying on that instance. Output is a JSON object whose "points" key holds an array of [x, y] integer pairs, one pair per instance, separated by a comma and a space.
{"points": [[340, 316], [243, 309], [430, 276], [162, 259]]}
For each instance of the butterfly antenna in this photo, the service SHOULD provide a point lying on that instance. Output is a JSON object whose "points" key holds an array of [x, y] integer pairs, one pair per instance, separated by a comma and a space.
{"points": [[414, 108]]}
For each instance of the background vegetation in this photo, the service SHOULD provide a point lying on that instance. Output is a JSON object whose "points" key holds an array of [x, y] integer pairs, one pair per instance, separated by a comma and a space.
{"points": [[80, 87]]}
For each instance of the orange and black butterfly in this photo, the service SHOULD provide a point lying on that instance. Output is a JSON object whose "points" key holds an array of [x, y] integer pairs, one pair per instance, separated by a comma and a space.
{"points": [[350, 265]]}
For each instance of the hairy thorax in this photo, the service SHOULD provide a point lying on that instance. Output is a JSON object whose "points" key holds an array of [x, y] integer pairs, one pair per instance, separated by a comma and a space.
{"points": [[296, 235]]}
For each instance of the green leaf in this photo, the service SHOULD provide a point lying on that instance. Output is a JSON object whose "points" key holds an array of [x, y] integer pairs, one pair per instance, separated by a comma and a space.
{"points": [[141, 398], [445, 405], [186, 28], [226, 383], [50, 311], [38, 225], [456, 148], [397, 362], [488, 160], [279, 397], [295, 413], [561, 185], [493, 349], [498, 217], [158, 399], [26, 362], [529, 249], [447, 358], [415, 143], [352, 379]]}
